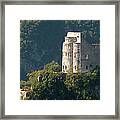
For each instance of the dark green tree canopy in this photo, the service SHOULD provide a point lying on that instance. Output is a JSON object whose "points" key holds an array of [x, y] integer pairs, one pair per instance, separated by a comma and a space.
{"points": [[49, 84], [41, 41]]}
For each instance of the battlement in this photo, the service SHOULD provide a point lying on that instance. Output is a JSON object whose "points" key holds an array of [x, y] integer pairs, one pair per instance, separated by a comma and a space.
{"points": [[74, 37]]}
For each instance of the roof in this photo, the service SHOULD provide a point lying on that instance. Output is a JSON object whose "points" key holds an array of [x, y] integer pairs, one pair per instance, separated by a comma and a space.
{"points": [[74, 35]]}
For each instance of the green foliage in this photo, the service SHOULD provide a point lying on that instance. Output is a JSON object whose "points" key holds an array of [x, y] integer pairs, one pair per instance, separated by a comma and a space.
{"points": [[48, 84], [26, 28], [53, 66]]}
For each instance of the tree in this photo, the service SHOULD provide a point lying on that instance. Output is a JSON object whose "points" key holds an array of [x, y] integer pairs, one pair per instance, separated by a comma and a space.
{"points": [[53, 66], [61, 86]]}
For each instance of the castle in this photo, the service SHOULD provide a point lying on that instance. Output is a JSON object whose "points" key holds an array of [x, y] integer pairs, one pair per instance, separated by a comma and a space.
{"points": [[78, 55]]}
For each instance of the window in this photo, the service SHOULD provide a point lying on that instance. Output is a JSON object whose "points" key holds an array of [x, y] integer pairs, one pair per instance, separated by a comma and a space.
{"points": [[65, 67], [75, 54], [86, 67], [75, 67], [27, 94], [69, 46], [78, 46], [65, 45], [69, 54], [86, 57], [90, 66], [65, 53], [39, 78], [62, 53], [78, 61]]}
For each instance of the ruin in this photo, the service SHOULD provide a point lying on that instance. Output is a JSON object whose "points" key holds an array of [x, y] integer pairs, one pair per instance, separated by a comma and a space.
{"points": [[78, 55]]}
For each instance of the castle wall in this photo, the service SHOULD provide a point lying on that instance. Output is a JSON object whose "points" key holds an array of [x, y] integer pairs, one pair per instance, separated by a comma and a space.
{"points": [[90, 57], [67, 58]]}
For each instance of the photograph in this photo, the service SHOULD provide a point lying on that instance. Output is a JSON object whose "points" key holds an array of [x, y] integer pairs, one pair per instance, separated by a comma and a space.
{"points": [[59, 59], [60, 63]]}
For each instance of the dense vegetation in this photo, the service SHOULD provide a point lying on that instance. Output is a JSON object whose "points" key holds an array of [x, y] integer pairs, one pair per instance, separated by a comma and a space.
{"points": [[41, 41], [51, 84]]}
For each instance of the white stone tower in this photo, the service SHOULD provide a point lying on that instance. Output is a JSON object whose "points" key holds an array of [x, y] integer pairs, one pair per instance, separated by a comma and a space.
{"points": [[71, 53]]}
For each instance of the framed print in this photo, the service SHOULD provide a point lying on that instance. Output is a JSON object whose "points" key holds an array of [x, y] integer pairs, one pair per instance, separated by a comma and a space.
{"points": [[60, 59]]}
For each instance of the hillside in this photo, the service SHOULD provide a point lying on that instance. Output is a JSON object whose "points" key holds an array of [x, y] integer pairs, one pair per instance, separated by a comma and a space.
{"points": [[41, 41]]}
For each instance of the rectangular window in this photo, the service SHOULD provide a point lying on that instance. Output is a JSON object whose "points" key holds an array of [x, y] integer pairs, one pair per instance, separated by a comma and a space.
{"points": [[65, 53], [86, 67], [65, 67], [86, 57], [69, 46], [75, 55], [90, 66], [69, 54]]}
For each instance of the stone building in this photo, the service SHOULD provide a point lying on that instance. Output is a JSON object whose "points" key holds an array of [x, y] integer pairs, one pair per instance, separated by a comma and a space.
{"points": [[24, 92], [78, 55]]}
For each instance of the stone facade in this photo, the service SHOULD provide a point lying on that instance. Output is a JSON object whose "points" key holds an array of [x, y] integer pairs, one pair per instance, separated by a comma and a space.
{"points": [[78, 55]]}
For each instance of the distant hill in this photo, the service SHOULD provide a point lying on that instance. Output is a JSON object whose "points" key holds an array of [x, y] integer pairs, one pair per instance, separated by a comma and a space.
{"points": [[41, 41]]}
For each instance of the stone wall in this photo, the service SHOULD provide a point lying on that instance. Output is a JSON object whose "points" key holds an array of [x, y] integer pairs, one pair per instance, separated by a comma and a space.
{"points": [[67, 56], [78, 55], [90, 57]]}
